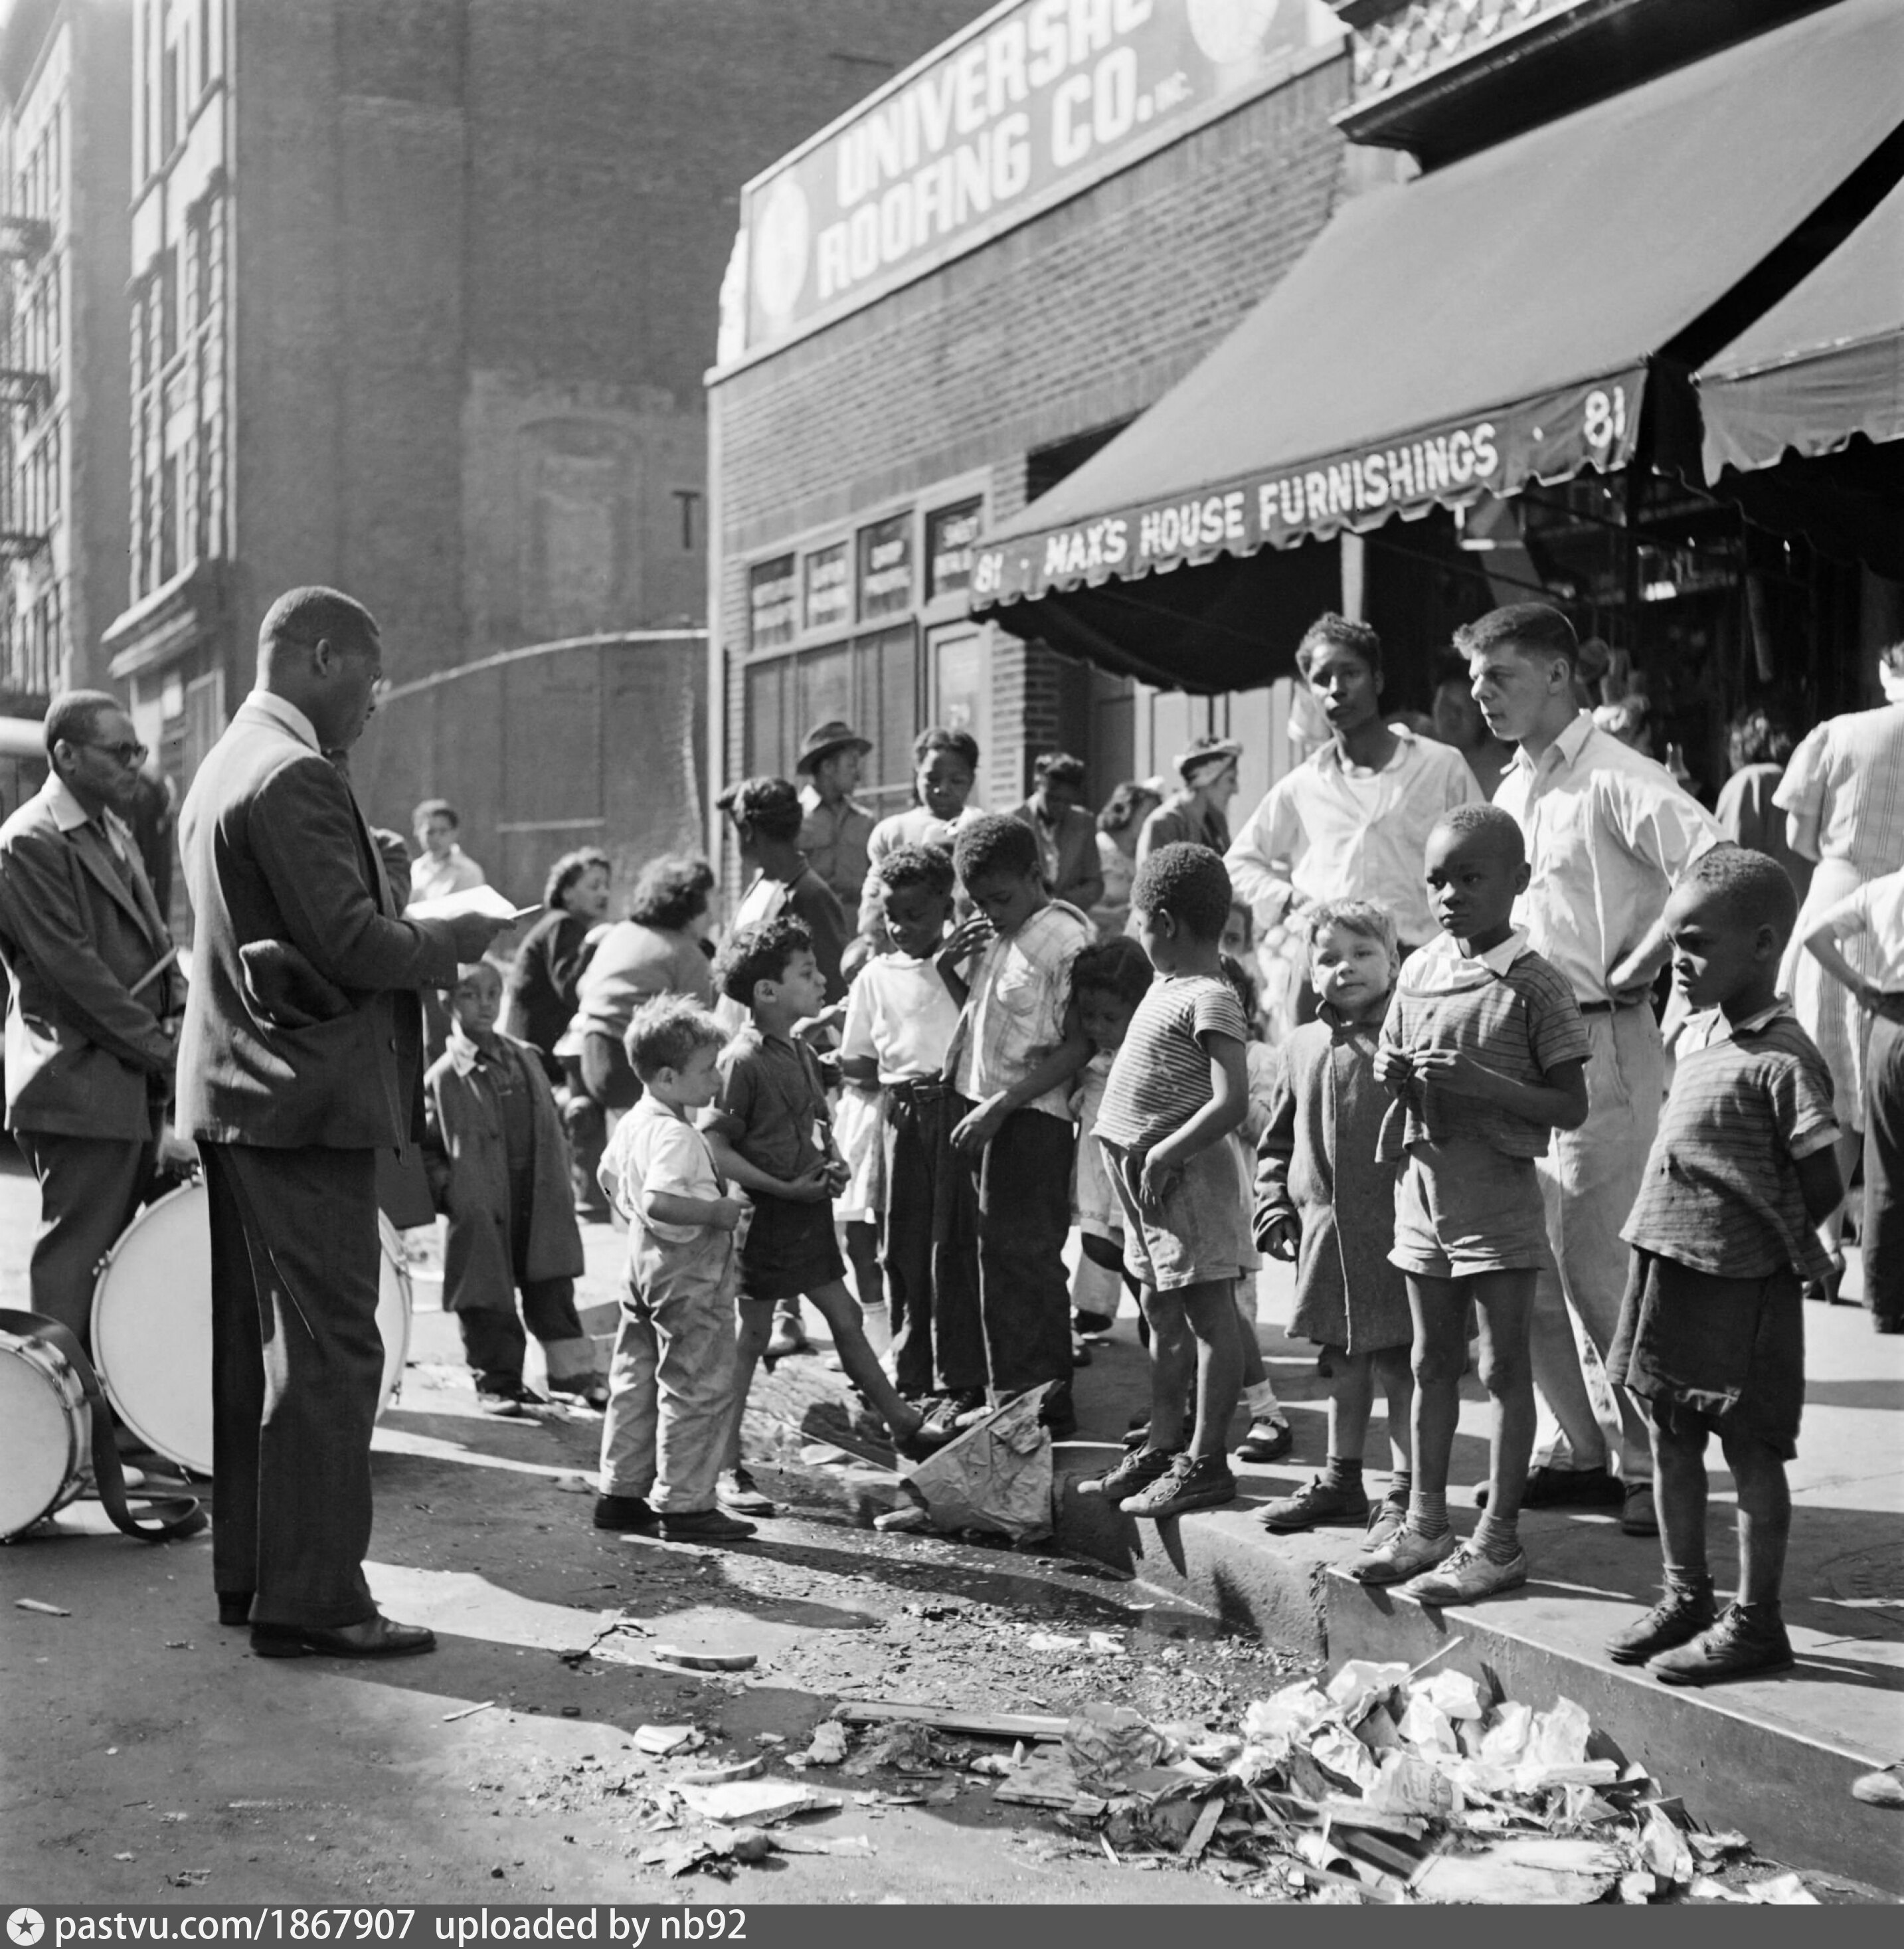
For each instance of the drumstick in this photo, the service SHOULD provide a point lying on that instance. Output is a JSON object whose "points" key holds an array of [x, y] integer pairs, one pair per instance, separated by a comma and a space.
{"points": [[157, 968]]}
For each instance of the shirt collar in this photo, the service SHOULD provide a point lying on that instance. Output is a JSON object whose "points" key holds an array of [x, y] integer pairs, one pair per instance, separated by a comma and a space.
{"points": [[1330, 753], [462, 1049], [1442, 964], [1781, 1005], [286, 717], [69, 815]]}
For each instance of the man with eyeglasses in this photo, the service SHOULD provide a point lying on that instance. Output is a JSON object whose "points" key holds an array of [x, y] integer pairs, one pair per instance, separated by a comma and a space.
{"points": [[300, 1062], [93, 1002]]}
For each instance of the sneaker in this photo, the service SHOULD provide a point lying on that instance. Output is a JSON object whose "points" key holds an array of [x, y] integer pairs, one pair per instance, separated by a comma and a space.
{"points": [[508, 1403], [1550, 1488], [1882, 1786], [948, 1411], [702, 1526], [1676, 1619], [1270, 1438], [788, 1337], [591, 1390], [1191, 1482], [624, 1512], [1468, 1575], [737, 1492], [1407, 1553], [1638, 1517], [1137, 1470], [1092, 1326], [1386, 1519], [1320, 1502], [927, 1439], [1737, 1646]]}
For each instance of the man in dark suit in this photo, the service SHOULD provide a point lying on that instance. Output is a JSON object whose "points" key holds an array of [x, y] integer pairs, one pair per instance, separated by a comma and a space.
{"points": [[1067, 834], [299, 1063], [93, 1000]]}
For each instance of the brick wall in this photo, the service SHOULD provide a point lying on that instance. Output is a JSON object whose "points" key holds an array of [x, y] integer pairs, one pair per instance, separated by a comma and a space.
{"points": [[1082, 317]]}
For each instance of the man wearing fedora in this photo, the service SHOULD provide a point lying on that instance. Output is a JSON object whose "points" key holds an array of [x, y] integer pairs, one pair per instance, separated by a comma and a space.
{"points": [[836, 827]]}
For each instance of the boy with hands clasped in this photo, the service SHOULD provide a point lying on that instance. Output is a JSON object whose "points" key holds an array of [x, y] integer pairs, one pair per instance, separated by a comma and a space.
{"points": [[1179, 1086], [1711, 1339], [1485, 1053]]}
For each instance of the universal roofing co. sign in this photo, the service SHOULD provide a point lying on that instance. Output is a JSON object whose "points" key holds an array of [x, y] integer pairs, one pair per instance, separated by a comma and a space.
{"points": [[1031, 104]]}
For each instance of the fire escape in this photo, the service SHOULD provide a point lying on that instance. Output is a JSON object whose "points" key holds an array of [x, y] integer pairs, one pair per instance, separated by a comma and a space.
{"points": [[24, 395]]}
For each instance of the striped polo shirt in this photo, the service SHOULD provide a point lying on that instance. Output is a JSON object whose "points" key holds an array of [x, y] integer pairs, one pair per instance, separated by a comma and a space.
{"points": [[1160, 1078], [1721, 1192]]}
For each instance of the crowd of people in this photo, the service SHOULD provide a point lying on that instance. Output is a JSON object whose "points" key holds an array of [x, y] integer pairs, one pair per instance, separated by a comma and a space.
{"points": [[928, 1048]]}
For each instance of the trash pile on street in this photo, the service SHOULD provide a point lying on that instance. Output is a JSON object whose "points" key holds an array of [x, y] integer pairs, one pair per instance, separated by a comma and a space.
{"points": [[1383, 1786]]}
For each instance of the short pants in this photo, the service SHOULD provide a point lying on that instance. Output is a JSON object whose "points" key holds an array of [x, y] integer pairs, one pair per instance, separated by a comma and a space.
{"points": [[1707, 1355], [790, 1248], [1463, 1208], [1201, 1232]]}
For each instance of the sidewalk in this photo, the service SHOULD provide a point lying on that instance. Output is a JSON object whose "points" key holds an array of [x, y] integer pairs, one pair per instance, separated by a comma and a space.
{"points": [[1774, 1756]]}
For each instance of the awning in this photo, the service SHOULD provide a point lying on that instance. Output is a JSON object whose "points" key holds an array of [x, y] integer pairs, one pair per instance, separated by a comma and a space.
{"points": [[1823, 366], [1490, 324]]}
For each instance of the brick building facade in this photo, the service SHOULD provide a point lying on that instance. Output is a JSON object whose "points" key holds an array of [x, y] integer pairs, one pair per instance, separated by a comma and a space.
{"points": [[66, 85], [423, 291], [970, 389]]}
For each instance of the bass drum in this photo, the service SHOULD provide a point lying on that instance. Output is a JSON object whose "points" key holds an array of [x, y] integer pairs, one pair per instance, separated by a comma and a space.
{"points": [[152, 1324], [46, 1433]]}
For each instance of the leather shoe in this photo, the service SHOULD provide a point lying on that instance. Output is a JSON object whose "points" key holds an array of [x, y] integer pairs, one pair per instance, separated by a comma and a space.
{"points": [[234, 1607], [375, 1637]]}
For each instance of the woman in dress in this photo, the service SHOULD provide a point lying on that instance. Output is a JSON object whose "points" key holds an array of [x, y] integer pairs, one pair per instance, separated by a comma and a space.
{"points": [[1842, 796], [1118, 825], [538, 997], [657, 950]]}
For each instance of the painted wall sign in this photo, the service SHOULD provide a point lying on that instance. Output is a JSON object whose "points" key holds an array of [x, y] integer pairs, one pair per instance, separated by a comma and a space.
{"points": [[1030, 105]]}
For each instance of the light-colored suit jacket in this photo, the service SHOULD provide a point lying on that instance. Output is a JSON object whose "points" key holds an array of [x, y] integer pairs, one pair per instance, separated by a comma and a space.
{"points": [[75, 935], [303, 1028]]}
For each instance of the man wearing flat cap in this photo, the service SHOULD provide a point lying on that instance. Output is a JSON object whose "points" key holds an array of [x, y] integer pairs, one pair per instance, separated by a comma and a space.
{"points": [[836, 827], [1197, 814]]}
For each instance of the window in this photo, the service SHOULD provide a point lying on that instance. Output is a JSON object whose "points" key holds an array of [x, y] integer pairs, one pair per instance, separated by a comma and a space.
{"points": [[773, 604], [952, 539], [829, 588], [168, 80], [886, 567]]}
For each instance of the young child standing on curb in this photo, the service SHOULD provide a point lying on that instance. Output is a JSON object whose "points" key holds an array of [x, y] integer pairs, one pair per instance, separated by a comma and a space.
{"points": [[900, 1018], [498, 1164], [1107, 982], [1325, 1200], [1486, 1053], [1712, 1332], [1016, 1049], [1179, 1087], [671, 1382], [771, 1134]]}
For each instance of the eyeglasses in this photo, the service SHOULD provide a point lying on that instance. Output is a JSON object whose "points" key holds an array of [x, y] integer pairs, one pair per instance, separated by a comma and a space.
{"points": [[130, 756]]}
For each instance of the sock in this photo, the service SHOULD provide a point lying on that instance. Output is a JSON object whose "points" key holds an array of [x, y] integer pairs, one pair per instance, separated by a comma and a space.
{"points": [[1401, 1484], [1259, 1398], [1688, 1583], [1427, 1513], [1497, 1538], [1343, 1471]]}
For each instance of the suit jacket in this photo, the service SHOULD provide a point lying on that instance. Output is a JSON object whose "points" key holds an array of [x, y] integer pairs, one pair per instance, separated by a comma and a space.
{"points": [[302, 1027], [468, 1163], [1080, 878], [81, 1050]]}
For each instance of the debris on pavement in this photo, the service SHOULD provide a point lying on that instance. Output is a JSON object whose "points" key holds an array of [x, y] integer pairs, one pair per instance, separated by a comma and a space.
{"points": [[662, 1740], [995, 1476], [34, 1605], [706, 1661], [468, 1711]]}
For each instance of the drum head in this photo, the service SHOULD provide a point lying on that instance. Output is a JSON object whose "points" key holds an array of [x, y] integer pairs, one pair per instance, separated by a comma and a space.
{"points": [[41, 1448], [152, 1325]]}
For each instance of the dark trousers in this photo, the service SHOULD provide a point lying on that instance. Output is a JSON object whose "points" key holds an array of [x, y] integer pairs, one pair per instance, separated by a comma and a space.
{"points": [[1883, 1226], [89, 1189], [931, 1272], [1018, 1203], [494, 1342], [297, 1363]]}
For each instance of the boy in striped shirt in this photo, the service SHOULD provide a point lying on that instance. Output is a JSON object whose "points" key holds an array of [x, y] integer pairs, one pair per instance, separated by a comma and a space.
{"points": [[1712, 1333], [1179, 1086]]}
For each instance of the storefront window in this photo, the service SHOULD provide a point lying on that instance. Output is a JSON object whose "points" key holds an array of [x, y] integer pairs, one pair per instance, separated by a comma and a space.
{"points": [[773, 604], [886, 568], [829, 588], [951, 539]]}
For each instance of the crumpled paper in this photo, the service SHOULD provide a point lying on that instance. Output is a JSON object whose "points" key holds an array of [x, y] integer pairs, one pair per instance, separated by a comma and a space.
{"points": [[995, 1476], [1108, 1743]]}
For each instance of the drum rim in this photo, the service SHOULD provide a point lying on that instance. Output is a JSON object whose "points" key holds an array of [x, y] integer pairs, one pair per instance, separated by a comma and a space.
{"points": [[49, 1363]]}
